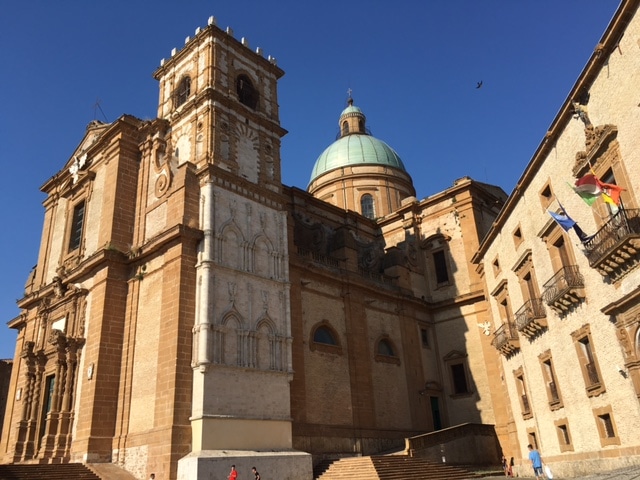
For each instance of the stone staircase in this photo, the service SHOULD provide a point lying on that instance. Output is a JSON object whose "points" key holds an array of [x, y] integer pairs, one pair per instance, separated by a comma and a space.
{"points": [[388, 467], [47, 471]]}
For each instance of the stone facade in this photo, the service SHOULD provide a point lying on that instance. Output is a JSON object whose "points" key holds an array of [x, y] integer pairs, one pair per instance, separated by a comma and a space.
{"points": [[564, 308], [188, 311]]}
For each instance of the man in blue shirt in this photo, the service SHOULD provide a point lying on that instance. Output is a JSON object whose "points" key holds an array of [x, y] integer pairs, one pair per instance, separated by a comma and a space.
{"points": [[536, 461]]}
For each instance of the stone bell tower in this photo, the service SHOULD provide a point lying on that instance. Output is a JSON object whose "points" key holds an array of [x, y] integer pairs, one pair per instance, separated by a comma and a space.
{"points": [[220, 99]]}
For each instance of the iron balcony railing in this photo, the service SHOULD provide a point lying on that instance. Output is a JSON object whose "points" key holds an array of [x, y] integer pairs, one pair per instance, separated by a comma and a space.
{"points": [[318, 257], [563, 281], [623, 224], [530, 311], [504, 335]]}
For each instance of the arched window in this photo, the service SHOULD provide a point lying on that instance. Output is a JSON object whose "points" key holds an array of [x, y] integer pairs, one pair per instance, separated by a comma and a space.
{"points": [[325, 339], [345, 127], [385, 351], [247, 93], [324, 335], [367, 206], [183, 91]]}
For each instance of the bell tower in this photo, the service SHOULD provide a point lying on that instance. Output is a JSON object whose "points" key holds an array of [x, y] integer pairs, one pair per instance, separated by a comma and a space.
{"points": [[219, 100]]}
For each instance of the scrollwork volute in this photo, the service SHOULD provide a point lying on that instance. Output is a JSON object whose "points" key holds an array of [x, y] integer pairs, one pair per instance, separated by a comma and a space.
{"points": [[161, 166], [370, 256]]}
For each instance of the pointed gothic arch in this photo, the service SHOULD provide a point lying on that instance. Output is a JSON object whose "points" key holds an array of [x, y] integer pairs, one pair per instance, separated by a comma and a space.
{"points": [[230, 251], [262, 256], [231, 348], [265, 344]]}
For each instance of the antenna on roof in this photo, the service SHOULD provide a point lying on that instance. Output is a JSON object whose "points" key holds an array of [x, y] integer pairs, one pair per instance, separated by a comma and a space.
{"points": [[96, 107]]}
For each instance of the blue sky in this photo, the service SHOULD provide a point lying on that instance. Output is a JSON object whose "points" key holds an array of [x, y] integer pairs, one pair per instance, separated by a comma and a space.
{"points": [[412, 65]]}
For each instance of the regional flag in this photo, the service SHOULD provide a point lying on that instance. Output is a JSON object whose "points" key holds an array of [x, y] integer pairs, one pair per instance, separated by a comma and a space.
{"points": [[611, 192]]}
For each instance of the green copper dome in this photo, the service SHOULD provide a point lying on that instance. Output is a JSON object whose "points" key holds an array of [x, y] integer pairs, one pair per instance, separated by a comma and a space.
{"points": [[355, 147]]}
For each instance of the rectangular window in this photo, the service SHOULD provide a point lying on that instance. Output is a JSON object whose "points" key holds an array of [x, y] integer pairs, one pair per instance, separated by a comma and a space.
{"points": [[615, 176], [549, 375], [564, 437], [77, 222], [546, 196], [525, 407], [592, 372], [532, 437], [564, 434], [606, 426], [610, 179], [588, 361], [496, 266], [440, 263], [459, 377], [561, 250], [424, 337], [50, 385], [517, 237]]}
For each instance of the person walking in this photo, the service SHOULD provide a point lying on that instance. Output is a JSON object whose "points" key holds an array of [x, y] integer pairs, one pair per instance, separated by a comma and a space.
{"points": [[536, 462], [233, 474], [255, 473]]}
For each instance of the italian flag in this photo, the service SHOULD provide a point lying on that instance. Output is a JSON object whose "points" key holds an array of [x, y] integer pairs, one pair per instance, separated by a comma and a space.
{"points": [[589, 188]]}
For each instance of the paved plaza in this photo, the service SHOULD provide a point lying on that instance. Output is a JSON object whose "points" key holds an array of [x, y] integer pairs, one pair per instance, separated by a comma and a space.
{"points": [[628, 473]]}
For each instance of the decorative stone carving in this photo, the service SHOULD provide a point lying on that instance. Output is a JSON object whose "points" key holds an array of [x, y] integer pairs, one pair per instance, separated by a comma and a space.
{"points": [[312, 235], [370, 256]]}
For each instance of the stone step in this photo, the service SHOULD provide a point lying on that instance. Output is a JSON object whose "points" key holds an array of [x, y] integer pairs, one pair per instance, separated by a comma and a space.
{"points": [[389, 467], [60, 471]]}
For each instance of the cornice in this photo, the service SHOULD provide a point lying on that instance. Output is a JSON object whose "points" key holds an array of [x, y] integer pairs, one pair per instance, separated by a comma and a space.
{"points": [[231, 182], [215, 35]]}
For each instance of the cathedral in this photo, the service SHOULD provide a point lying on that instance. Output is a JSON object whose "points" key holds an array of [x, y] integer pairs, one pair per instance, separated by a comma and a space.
{"points": [[188, 311]]}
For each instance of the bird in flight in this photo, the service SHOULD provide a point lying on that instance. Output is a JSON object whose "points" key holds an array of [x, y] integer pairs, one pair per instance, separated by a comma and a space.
{"points": [[479, 84]]}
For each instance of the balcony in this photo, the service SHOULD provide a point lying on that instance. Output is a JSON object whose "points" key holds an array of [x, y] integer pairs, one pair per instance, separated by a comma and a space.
{"points": [[564, 290], [615, 248], [318, 257], [531, 318], [506, 340]]}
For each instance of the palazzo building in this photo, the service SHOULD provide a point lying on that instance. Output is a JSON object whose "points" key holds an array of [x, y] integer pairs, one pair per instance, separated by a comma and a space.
{"points": [[188, 311], [565, 299]]}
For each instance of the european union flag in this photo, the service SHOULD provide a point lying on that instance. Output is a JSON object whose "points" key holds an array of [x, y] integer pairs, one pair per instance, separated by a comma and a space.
{"points": [[564, 220]]}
